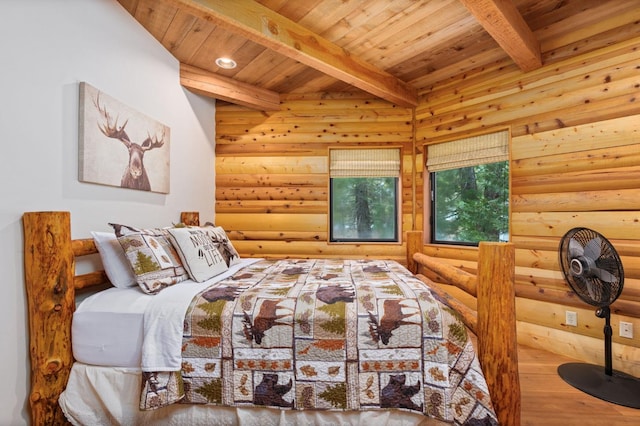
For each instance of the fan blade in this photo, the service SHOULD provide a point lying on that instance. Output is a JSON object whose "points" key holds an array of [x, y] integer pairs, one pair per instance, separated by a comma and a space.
{"points": [[592, 249], [604, 275], [592, 290], [575, 249]]}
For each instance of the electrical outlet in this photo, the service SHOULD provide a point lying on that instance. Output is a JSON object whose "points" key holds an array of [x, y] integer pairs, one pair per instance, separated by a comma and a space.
{"points": [[571, 318], [626, 329]]}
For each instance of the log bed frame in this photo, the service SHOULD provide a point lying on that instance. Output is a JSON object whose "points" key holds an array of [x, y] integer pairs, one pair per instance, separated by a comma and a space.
{"points": [[51, 284]]}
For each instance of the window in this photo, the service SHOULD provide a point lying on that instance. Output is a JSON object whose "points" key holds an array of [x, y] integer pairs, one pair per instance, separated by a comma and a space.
{"points": [[364, 195], [469, 181]]}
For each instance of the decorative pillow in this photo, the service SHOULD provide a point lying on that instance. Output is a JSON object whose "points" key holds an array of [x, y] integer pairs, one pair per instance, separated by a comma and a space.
{"points": [[154, 260], [116, 265], [226, 249], [198, 251]]}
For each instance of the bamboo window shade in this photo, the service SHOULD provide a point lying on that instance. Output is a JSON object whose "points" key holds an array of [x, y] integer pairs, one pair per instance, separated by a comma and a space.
{"points": [[467, 152], [364, 162]]}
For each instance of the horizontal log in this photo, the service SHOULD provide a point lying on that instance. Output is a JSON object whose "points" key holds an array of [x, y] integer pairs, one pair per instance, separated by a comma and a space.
{"points": [[326, 137], [273, 222], [91, 279], [273, 180], [230, 121], [583, 180], [627, 247], [583, 201], [351, 104], [556, 224], [552, 315], [278, 193], [317, 127], [311, 248], [590, 111], [272, 164], [451, 252], [293, 149], [277, 236], [452, 275], [83, 247], [586, 137], [271, 206], [620, 156]]}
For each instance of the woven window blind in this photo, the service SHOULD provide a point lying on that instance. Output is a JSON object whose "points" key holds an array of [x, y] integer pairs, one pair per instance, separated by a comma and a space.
{"points": [[467, 152], [364, 162]]}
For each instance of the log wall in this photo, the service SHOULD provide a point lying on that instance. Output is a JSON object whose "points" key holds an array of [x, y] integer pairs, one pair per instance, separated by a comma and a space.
{"points": [[575, 161], [272, 172]]}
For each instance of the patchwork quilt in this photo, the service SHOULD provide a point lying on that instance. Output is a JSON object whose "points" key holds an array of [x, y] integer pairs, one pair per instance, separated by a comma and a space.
{"points": [[321, 334]]}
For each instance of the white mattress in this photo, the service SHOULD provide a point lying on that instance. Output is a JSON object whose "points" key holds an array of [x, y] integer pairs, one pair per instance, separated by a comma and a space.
{"points": [[108, 327]]}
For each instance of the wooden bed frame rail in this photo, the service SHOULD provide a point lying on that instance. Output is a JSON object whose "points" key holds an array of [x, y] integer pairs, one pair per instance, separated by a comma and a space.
{"points": [[51, 284], [494, 322]]}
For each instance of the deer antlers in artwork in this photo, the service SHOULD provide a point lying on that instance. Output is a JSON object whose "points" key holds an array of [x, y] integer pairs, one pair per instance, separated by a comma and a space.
{"points": [[135, 175]]}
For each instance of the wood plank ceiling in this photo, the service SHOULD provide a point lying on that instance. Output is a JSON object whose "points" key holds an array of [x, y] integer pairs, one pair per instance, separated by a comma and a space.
{"points": [[392, 49]]}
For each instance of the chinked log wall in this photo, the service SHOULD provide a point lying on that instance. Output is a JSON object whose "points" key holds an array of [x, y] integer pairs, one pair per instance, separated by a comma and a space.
{"points": [[575, 127], [575, 161], [272, 172]]}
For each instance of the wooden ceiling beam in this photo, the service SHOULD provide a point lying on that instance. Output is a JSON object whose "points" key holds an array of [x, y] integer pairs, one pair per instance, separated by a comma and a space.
{"points": [[273, 31], [209, 84], [501, 19]]}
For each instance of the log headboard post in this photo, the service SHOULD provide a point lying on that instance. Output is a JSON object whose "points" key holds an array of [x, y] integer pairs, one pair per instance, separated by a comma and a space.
{"points": [[49, 279], [190, 218], [498, 346]]}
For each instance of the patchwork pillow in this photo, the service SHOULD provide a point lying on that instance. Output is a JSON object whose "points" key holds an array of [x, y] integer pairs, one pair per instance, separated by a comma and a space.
{"points": [[115, 263], [198, 251], [153, 258]]}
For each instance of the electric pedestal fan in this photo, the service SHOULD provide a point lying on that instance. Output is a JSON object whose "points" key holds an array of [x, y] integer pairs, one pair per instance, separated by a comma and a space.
{"points": [[594, 271]]}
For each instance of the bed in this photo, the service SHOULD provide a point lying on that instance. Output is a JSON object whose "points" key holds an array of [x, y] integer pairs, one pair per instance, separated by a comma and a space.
{"points": [[88, 379]]}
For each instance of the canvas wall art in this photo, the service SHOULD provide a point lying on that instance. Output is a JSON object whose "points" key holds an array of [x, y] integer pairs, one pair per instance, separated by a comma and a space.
{"points": [[120, 146]]}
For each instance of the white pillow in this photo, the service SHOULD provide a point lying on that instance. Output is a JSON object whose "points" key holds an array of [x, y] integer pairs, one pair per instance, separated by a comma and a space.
{"points": [[116, 265], [198, 251]]}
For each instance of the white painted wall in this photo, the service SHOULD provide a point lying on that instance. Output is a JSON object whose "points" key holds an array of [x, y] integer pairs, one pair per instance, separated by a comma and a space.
{"points": [[46, 48]]}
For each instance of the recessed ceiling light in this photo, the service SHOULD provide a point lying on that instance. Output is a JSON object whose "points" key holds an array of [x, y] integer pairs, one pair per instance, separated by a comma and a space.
{"points": [[226, 63]]}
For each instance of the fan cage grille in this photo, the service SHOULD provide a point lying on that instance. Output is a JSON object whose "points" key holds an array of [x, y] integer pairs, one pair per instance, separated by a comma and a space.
{"points": [[590, 288]]}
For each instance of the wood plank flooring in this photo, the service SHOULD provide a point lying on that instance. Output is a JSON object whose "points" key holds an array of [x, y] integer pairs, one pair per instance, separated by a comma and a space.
{"points": [[547, 400]]}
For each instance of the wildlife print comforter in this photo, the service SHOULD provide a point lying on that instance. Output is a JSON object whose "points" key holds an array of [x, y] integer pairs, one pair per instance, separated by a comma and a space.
{"points": [[325, 334]]}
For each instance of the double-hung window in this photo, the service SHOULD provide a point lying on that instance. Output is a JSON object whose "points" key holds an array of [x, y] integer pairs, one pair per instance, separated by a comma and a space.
{"points": [[364, 195], [469, 188]]}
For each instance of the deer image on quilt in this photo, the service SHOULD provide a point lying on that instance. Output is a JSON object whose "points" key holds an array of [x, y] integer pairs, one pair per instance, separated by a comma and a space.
{"points": [[392, 318], [267, 317]]}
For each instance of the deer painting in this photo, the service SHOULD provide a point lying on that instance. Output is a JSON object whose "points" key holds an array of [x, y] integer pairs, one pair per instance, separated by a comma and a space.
{"points": [[134, 176]]}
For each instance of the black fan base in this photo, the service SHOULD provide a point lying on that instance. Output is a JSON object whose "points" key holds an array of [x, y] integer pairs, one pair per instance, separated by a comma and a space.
{"points": [[618, 388]]}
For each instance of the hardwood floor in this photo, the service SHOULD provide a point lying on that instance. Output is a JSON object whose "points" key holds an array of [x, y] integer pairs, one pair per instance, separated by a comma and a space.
{"points": [[547, 400]]}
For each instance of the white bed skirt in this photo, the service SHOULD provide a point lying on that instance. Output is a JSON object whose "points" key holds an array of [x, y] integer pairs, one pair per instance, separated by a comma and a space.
{"points": [[101, 396]]}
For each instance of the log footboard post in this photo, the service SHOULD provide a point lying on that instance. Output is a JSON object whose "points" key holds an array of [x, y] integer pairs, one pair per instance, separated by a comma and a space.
{"points": [[498, 346], [414, 245], [49, 280]]}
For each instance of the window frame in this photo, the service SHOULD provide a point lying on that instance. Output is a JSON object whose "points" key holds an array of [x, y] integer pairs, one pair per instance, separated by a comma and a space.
{"points": [[430, 183], [432, 213], [397, 202]]}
